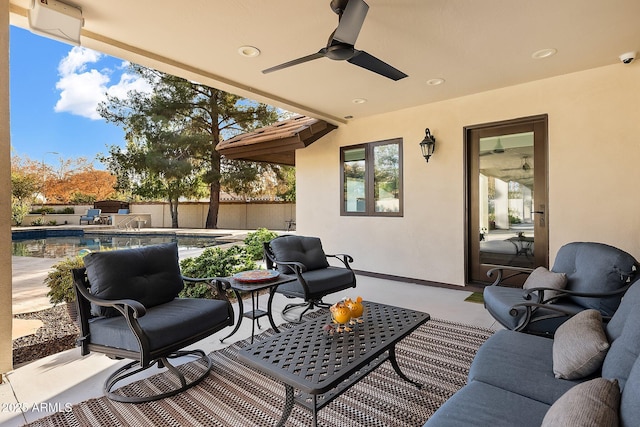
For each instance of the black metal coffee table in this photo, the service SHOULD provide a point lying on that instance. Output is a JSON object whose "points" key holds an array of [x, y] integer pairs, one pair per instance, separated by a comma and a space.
{"points": [[322, 366]]}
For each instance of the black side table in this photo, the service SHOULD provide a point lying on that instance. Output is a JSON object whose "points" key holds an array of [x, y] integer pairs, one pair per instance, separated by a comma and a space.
{"points": [[255, 312]]}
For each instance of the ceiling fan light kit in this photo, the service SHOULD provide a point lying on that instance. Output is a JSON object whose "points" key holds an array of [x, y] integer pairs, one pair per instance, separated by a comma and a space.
{"points": [[340, 46]]}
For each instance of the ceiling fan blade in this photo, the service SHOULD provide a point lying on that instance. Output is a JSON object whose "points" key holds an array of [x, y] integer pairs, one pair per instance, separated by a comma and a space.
{"points": [[319, 54], [371, 63], [351, 22]]}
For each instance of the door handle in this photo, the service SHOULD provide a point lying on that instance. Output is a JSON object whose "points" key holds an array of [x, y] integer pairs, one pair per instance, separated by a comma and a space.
{"points": [[538, 212]]}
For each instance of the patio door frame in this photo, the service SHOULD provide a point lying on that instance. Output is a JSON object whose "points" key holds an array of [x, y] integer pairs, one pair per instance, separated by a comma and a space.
{"points": [[475, 272]]}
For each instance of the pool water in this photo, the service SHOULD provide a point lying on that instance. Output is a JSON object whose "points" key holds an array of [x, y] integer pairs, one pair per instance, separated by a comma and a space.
{"points": [[64, 246]]}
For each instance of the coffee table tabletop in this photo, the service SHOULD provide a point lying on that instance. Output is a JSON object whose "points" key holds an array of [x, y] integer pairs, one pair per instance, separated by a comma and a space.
{"points": [[322, 366]]}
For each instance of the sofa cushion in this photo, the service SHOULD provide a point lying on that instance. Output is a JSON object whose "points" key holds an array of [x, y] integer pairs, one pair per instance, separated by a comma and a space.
{"points": [[302, 249], [630, 404], [149, 275], [594, 267], [579, 346], [624, 351], [593, 403], [479, 404], [514, 361], [543, 278], [630, 303]]}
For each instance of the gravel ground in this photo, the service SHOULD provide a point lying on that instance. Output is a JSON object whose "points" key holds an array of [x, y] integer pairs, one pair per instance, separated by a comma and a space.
{"points": [[57, 334]]}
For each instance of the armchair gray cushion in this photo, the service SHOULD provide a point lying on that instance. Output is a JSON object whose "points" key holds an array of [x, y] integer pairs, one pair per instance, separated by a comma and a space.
{"points": [[159, 324], [302, 249], [149, 275], [592, 267]]}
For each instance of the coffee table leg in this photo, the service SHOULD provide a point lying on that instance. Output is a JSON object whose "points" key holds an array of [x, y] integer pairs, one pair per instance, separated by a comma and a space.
{"points": [[240, 315], [396, 367], [288, 405]]}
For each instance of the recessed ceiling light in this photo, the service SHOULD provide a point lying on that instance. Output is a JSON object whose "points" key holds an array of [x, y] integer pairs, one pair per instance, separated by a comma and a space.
{"points": [[435, 82], [359, 101], [544, 53], [248, 51]]}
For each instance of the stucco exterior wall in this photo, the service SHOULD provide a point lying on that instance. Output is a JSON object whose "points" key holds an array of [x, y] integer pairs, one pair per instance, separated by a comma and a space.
{"points": [[6, 362], [594, 148]]}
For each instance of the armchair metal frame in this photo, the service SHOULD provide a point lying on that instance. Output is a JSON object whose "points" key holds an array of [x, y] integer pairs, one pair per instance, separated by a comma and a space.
{"points": [[145, 358], [533, 298], [298, 268]]}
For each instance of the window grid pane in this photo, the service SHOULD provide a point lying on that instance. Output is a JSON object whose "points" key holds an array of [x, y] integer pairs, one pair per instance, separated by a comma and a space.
{"points": [[386, 178]]}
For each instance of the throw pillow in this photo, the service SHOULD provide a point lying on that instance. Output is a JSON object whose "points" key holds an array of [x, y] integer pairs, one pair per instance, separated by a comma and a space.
{"points": [[579, 346], [593, 403], [543, 278]]}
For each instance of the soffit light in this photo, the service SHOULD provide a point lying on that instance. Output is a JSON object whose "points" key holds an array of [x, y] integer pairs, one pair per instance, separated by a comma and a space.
{"points": [[544, 53], [248, 51], [435, 82]]}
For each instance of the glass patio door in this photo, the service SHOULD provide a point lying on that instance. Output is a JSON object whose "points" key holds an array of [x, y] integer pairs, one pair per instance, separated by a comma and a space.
{"points": [[507, 196]]}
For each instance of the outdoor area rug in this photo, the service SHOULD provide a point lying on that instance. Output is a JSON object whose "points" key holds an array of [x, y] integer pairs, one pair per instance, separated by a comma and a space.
{"points": [[438, 354]]}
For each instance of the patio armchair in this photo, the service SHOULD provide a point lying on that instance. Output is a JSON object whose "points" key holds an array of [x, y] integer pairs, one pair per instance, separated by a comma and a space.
{"points": [[585, 275], [304, 257], [92, 215], [128, 307]]}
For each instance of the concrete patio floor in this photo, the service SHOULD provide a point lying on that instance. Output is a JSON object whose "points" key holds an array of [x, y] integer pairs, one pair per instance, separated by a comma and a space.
{"points": [[55, 382]]}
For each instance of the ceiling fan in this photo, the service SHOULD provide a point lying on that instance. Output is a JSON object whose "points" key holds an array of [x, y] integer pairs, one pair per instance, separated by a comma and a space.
{"points": [[498, 149], [340, 47]]}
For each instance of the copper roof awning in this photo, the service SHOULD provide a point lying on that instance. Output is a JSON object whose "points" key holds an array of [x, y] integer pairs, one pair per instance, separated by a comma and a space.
{"points": [[276, 143]]}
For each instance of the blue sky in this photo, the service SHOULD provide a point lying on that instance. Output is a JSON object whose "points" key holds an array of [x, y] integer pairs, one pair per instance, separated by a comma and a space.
{"points": [[55, 88]]}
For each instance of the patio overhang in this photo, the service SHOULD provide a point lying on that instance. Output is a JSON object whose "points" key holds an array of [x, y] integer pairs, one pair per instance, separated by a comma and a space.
{"points": [[276, 143]]}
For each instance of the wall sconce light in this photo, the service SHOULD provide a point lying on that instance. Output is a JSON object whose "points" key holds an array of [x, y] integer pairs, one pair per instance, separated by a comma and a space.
{"points": [[428, 145]]}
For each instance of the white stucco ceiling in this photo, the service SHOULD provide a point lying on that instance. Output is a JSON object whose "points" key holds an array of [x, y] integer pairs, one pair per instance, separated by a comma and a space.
{"points": [[474, 45]]}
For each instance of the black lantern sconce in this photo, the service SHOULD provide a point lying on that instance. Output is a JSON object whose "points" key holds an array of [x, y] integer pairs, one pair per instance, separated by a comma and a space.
{"points": [[428, 145]]}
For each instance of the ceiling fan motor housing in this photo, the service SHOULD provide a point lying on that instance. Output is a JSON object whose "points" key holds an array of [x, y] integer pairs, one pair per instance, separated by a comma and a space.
{"points": [[340, 51]]}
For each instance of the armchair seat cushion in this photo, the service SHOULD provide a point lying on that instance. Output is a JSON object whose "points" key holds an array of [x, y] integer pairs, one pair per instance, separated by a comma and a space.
{"points": [[320, 282], [164, 325], [500, 299]]}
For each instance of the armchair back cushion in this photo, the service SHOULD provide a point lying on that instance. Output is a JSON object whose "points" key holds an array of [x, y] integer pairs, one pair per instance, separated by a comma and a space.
{"points": [[150, 275], [594, 267], [302, 249]]}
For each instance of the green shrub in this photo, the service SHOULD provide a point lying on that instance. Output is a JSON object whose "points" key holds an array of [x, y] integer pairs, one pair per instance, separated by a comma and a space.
{"points": [[45, 210], [254, 242], [214, 262], [60, 280], [37, 221], [68, 210]]}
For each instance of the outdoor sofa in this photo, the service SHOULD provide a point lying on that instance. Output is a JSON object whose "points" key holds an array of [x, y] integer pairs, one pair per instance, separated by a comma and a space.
{"points": [[512, 380]]}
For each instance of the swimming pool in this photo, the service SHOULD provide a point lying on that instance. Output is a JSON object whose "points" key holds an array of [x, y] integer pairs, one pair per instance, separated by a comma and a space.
{"points": [[63, 243]]}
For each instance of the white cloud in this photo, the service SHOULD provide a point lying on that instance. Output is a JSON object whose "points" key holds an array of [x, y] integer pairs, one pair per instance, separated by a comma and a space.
{"points": [[82, 86]]}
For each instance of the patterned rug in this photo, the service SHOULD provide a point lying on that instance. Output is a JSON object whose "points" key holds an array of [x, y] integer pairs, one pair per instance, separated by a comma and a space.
{"points": [[438, 354]]}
